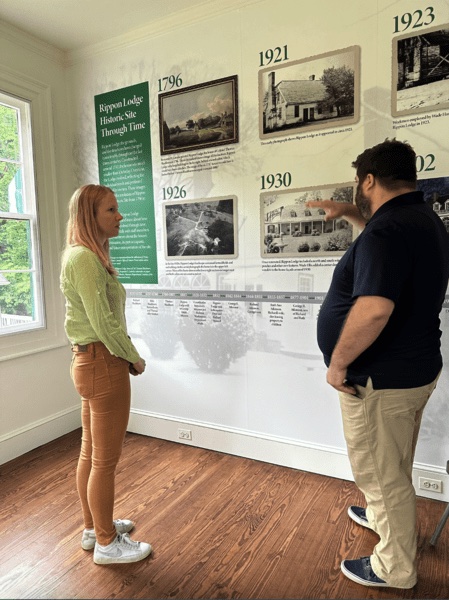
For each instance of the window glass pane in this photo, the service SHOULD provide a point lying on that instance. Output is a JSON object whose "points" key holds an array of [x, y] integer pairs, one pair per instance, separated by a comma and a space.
{"points": [[9, 133], [21, 295], [11, 188], [16, 298], [15, 245]]}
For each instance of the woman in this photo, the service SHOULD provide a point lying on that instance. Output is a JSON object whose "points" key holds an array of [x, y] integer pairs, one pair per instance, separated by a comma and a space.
{"points": [[103, 358]]}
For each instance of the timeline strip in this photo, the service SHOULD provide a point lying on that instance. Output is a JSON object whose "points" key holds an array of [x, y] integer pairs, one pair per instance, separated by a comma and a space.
{"points": [[235, 296]]}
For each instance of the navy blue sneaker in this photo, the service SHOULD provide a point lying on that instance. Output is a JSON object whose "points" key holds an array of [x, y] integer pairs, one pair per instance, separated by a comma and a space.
{"points": [[361, 572], [358, 514]]}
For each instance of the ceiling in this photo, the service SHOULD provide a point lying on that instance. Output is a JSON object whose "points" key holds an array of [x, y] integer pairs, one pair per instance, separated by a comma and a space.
{"points": [[73, 24]]}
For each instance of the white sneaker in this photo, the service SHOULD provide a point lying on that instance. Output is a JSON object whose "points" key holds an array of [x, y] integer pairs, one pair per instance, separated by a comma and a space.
{"points": [[122, 550], [121, 526]]}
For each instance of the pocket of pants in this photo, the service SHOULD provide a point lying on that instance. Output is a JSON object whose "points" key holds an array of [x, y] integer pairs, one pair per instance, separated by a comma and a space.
{"points": [[83, 375], [114, 361]]}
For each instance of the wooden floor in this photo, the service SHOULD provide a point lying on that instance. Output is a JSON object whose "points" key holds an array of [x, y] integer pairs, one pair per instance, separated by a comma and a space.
{"points": [[221, 527]]}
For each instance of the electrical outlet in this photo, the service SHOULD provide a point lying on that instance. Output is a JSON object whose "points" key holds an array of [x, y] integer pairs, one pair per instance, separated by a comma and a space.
{"points": [[184, 434], [432, 485]]}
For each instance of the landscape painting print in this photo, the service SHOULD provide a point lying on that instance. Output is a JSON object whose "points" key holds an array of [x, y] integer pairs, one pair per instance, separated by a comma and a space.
{"points": [[201, 228], [199, 116], [289, 228], [421, 72], [318, 92]]}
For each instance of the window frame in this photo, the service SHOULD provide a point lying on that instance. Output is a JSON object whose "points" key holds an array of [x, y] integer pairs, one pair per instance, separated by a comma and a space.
{"points": [[50, 333], [29, 213]]}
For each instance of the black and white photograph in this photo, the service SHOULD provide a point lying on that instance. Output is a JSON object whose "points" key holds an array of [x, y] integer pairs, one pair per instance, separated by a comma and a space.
{"points": [[201, 228], [199, 116], [313, 93], [291, 229], [436, 194], [421, 72]]}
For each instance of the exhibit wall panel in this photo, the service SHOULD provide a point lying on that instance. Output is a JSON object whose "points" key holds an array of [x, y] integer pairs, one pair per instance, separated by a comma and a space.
{"points": [[244, 130]]}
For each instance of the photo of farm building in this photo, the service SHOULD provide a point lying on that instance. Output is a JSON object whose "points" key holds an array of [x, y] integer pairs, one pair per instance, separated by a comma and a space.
{"points": [[436, 195], [441, 207], [423, 59], [199, 116], [207, 130], [422, 79], [310, 92], [291, 103], [292, 228]]}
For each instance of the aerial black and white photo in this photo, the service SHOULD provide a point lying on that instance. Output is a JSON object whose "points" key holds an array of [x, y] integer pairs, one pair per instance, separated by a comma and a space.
{"points": [[201, 228]]}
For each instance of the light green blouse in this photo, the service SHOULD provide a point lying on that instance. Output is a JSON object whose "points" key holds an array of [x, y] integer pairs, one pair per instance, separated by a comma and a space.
{"points": [[95, 304]]}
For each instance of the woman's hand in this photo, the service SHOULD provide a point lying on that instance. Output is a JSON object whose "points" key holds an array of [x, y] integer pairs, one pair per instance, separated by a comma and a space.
{"points": [[138, 367]]}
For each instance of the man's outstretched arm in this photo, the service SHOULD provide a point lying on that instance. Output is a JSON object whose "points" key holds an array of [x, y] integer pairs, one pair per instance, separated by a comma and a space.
{"points": [[338, 210]]}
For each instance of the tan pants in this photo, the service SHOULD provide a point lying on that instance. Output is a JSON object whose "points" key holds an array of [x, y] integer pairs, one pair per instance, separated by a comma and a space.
{"points": [[381, 429], [102, 380]]}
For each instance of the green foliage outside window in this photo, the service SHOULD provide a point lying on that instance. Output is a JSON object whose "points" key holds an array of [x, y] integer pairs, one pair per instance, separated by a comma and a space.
{"points": [[9, 151], [15, 242]]}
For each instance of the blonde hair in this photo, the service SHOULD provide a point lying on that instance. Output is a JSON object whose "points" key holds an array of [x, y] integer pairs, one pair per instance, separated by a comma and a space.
{"points": [[82, 228]]}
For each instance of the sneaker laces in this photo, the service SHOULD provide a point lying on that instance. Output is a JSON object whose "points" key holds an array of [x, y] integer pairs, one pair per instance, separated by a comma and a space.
{"points": [[123, 538]]}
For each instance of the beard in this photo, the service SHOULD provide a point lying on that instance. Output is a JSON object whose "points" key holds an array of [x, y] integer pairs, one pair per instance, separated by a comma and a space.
{"points": [[362, 203]]}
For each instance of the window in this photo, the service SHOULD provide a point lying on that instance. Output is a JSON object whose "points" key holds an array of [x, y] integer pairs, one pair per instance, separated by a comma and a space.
{"points": [[30, 299], [21, 296]]}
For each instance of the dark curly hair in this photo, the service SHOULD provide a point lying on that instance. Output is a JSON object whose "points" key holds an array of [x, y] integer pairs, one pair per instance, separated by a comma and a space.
{"points": [[392, 162]]}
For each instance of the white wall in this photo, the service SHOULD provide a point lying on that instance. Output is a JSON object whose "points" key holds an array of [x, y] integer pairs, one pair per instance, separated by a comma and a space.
{"points": [[271, 406], [37, 399]]}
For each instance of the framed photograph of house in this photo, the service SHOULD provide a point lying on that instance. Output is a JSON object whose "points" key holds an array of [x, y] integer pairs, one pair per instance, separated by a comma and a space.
{"points": [[199, 116], [203, 229], [291, 229], [420, 70], [318, 92], [436, 194]]}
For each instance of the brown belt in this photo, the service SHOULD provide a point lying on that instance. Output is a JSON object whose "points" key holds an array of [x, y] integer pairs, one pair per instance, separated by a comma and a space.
{"points": [[80, 347]]}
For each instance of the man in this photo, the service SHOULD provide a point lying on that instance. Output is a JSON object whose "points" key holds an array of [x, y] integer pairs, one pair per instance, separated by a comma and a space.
{"points": [[379, 332]]}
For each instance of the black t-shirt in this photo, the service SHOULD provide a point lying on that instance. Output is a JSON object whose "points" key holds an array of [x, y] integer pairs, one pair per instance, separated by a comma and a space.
{"points": [[402, 254]]}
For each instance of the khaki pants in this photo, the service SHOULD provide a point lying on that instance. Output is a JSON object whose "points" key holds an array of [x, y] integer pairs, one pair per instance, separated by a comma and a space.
{"points": [[102, 380], [381, 429]]}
